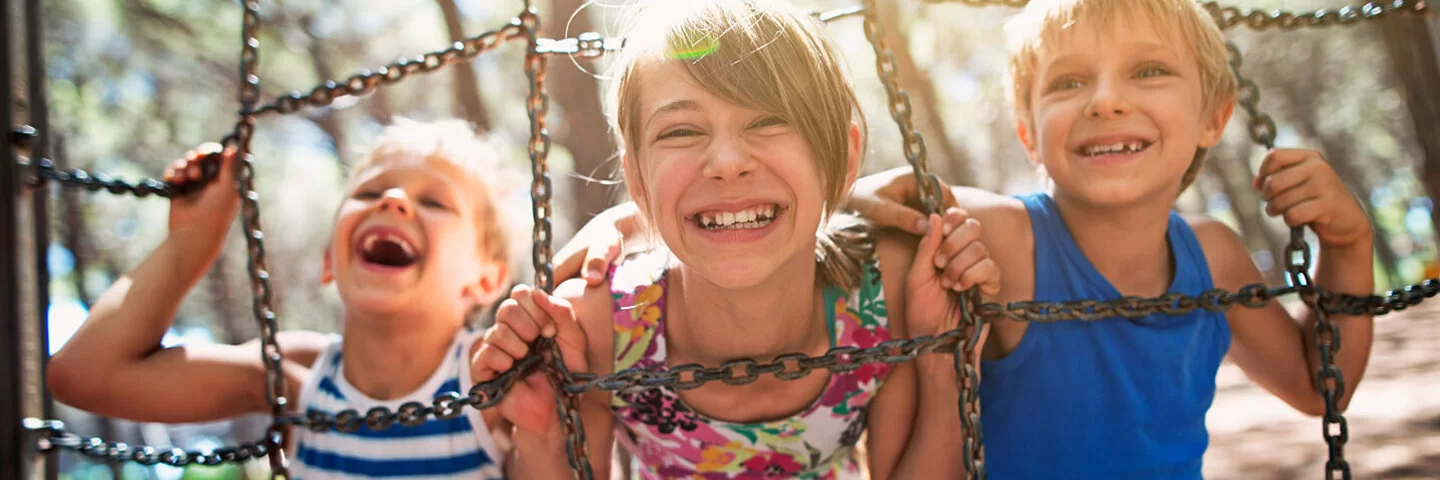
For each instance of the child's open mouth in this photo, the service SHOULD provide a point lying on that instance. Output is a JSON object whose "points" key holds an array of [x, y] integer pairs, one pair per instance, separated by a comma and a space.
{"points": [[386, 249], [749, 218]]}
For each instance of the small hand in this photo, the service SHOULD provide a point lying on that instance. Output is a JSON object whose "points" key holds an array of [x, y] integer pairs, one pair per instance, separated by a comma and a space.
{"points": [[1301, 187]]}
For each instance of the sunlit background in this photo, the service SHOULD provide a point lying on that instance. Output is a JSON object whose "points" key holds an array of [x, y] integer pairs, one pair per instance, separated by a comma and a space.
{"points": [[134, 83]]}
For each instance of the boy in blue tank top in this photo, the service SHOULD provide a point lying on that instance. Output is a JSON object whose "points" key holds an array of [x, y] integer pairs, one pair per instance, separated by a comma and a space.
{"points": [[1116, 101]]}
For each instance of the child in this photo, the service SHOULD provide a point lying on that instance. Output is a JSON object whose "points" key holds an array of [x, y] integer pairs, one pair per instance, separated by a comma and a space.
{"points": [[1117, 102], [417, 247], [740, 135]]}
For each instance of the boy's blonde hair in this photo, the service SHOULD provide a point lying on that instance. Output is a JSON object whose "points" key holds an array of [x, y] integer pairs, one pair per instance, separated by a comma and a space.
{"points": [[764, 55], [454, 141], [1044, 21]]}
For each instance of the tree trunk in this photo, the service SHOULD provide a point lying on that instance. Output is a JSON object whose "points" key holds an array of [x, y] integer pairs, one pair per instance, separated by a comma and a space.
{"points": [[585, 134], [1412, 52], [327, 119], [466, 84], [948, 162]]}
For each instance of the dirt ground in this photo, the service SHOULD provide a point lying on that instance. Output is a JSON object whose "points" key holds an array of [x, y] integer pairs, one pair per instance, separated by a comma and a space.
{"points": [[1394, 418]]}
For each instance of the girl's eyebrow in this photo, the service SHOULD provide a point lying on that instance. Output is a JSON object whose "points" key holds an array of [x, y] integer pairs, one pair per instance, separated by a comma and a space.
{"points": [[675, 106]]}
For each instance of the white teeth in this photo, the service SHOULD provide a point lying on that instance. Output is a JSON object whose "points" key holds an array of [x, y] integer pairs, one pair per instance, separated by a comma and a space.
{"points": [[368, 243], [1118, 147], [754, 217]]}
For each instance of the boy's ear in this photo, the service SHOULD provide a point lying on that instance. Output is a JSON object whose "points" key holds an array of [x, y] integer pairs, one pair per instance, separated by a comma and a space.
{"points": [[490, 286], [1215, 121], [327, 269], [1022, 130]]}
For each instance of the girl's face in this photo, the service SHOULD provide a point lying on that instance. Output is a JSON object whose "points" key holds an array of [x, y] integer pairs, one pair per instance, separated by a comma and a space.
{"points": [[733, 191]]}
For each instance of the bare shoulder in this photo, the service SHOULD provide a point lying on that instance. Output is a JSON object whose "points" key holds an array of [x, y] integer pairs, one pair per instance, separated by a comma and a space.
{"points": [[1000, 214], [1225, 252], [592, 305], [302, 346], [896, 253]]}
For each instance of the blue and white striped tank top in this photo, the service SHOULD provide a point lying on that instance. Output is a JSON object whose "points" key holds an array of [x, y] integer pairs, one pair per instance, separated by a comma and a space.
{"points": [[438, 449]]}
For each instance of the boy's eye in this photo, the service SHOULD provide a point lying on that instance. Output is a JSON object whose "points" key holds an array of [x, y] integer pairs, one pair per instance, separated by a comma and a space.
{"points": [[366, 195], [1149, 71], [1063, 83], [432, 203]]}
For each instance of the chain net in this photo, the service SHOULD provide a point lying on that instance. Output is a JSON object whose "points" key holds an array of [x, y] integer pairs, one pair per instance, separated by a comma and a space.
{"points": [[960, 342]]}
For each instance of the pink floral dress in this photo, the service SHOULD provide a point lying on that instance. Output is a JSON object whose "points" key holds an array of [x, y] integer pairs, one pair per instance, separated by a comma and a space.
{"points": [[669, 440]]}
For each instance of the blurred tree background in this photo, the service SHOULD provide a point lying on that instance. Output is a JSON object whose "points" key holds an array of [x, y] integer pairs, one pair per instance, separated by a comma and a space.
{"points": [[135, 83]]}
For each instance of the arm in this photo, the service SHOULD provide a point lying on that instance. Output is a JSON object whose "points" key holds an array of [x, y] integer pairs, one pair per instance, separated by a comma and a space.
{"points": [[114, 364], [946, 260], [1277, 350]]}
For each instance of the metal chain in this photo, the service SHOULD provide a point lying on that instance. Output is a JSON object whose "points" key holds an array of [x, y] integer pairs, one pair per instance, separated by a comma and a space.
{"points": [[44, 171], [966, 373], [541, 189], [54, 436], [1328, 381], [263, 303], [1228, 17], [365, 82], [585, 45]]}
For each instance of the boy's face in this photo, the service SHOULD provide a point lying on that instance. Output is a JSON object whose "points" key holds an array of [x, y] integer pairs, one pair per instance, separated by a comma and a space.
{"points": [[1117, 113], [406, 240]]}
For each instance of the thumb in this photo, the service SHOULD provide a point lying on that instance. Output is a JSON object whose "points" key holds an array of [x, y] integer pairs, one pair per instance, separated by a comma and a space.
{"points": [[886, 213], [923, 266], [598, 261]]}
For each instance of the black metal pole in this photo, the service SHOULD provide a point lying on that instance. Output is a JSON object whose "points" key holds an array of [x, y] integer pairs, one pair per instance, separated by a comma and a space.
{"points": [[12, 436], [39, 100]]}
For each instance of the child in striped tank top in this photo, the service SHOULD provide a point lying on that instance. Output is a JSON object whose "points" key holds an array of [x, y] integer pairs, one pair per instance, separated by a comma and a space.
{"points": [[740, 135], [418, 247]]}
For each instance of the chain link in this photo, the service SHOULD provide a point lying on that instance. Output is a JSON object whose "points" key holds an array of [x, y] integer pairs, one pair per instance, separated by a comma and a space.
{"points": [[1256, 19], [541, 189], [365, 82], [44, 171], [53, 436], [263, 303], [1328, 379]]}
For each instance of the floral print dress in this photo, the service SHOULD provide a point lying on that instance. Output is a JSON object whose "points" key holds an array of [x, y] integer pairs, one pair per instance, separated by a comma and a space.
{"points": [[669, 440]]}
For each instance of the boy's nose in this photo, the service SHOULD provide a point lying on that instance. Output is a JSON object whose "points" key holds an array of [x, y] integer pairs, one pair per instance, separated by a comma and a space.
{"points": [[1108, 102], [396, 200]]}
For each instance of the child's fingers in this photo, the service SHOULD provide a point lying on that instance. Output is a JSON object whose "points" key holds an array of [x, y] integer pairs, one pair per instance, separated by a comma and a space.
{"points": [[488, 362], [1289, 199], [1280, 159], [1282, 181], [886, 212], [598, 261], [972, 255], [568, 333], [957, 240], [922, 267], [514, 313], [504, 338], [984, 274], [1304, 213]]}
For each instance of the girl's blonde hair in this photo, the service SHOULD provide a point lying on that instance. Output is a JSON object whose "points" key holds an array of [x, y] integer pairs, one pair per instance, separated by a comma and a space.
{"points": [[1043, 22], [764, 55]]}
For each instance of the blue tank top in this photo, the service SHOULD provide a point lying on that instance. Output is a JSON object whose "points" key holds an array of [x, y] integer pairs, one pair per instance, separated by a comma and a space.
{"points": [[1114, 398]]}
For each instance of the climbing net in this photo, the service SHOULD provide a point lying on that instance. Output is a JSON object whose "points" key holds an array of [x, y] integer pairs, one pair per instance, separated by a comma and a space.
{"points": [[51, 434]]}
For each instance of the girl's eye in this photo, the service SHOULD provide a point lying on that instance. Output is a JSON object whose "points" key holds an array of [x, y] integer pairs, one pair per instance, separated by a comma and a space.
{"points": [[432, 203], [768, 122], [366, 195], [676, 133]]}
